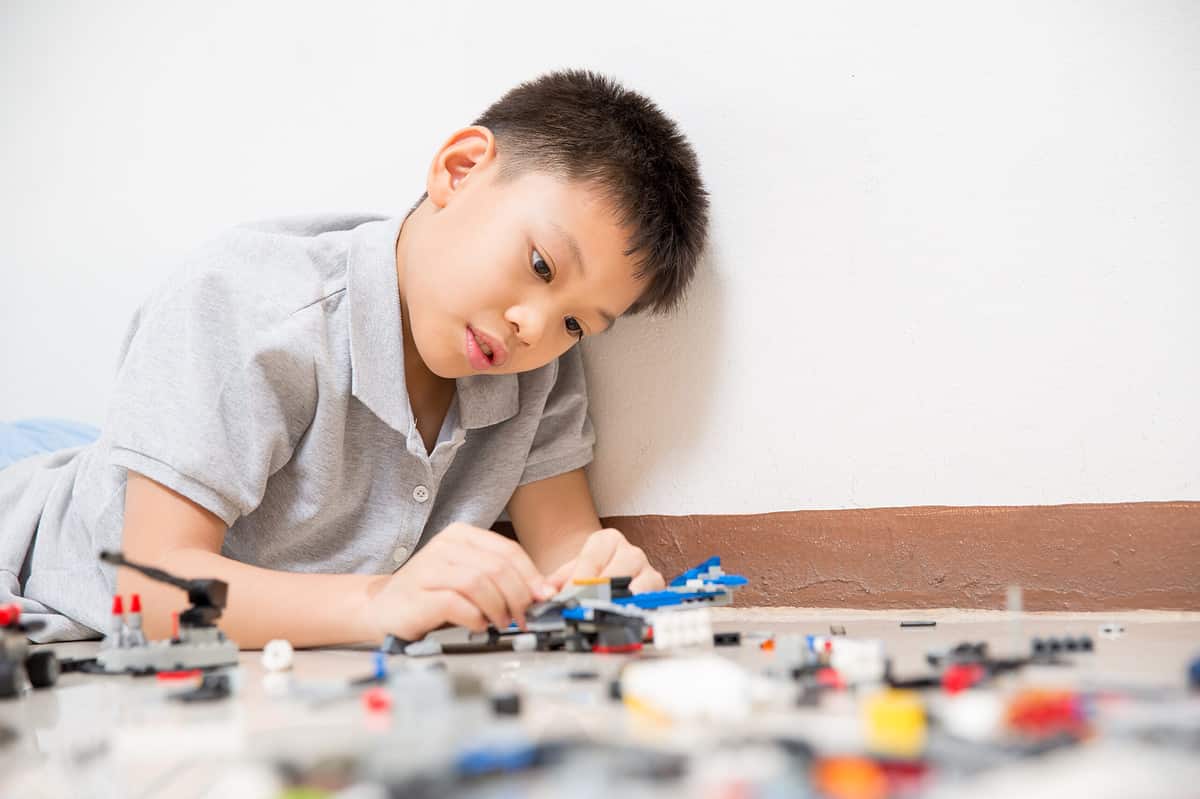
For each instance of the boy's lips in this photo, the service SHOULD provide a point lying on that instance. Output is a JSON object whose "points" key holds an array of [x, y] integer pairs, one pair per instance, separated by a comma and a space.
{"points": [[475, 352]]}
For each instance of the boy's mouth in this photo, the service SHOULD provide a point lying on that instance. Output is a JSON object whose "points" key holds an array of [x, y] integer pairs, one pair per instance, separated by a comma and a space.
{"points": [[483, 351]]}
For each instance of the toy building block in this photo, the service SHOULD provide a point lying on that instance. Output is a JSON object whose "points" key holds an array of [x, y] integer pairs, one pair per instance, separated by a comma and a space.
{"points": [[199, 644], [134, 634], [21, 669], [277, 655], [683, 630], [211, 688]]}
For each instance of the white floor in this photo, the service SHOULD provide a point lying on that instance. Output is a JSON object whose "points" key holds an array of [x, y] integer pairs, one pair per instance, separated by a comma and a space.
{"points": [[119, 736]]}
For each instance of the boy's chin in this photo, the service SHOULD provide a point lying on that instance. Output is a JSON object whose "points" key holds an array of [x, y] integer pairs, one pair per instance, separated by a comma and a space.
{"points": [[448, 372]]}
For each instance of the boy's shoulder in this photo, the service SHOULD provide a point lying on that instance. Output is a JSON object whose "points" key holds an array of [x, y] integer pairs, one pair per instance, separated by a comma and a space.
{"points": [[277, 266], [308, 226], [319, 241]]}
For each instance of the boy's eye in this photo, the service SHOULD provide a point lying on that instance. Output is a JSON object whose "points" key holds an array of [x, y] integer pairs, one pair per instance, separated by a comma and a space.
{"points": [[540, 267], [573, 327]]}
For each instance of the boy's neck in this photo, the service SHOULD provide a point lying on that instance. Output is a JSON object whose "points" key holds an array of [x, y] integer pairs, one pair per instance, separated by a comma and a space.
{"points": [[421, 381]]}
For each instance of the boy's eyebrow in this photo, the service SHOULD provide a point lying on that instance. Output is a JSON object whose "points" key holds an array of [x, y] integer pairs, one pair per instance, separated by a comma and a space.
{"points": [[573, 246]]}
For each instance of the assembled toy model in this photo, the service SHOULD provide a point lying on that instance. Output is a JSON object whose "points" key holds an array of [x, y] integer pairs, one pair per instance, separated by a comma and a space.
{"points": [[602, 615], [21, 669], [198, 644]]}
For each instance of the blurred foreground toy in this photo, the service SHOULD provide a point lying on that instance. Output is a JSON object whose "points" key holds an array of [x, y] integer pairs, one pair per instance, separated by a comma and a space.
{"points": [[198, 644], [895, 723], [688, 688], [21, 669], [1046, 713]]}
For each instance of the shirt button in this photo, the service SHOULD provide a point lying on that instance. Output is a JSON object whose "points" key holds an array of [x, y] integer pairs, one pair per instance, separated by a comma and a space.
{"points": [[400, 555], [420, 493]]}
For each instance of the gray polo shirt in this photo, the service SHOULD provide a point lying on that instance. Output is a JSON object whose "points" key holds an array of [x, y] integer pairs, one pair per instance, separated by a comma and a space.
{"points": [[265, 382]]}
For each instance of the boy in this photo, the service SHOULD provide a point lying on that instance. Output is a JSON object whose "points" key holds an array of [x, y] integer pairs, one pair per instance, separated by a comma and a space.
{"points": [[328, 413]]}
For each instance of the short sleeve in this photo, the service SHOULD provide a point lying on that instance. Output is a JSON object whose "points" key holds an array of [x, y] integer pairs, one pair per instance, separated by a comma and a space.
{"points": [[564, 440], [214, 390]]}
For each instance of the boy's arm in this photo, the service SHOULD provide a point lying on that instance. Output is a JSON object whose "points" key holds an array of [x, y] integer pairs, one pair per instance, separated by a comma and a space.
{"points": [[465, 576], [556, 522], [167, 530]]}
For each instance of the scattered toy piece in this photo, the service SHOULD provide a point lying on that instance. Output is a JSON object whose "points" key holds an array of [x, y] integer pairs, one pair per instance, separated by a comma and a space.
{"points": [[895, 723], [850, 778], [1070, 644], [211, 688], [393, 645], [506, 704], [830, 678], [277, 655], [1112, 629], [918, 623], [1045, 714], [960, 676], [426, 647], [21, 668], [377, 700]]}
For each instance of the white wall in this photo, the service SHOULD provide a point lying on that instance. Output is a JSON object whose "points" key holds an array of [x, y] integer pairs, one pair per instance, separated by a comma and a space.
{"points": [[955, 249]]}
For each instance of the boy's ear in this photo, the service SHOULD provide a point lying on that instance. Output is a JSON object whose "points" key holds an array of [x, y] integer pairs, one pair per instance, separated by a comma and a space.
{"points": [[467, 150]]}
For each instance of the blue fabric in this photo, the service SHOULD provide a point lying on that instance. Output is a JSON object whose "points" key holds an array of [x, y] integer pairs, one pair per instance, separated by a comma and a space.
{"points": [[19, 440]]}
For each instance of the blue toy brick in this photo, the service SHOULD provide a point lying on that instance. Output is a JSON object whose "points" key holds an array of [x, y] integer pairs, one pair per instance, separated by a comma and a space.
{"points": [[692, 574], [579, 613], [660, 599], [730, 579], [484, 760], [653, 599]]}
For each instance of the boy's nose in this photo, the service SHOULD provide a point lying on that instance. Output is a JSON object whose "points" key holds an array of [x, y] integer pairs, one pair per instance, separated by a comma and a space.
{"points": [[528, 325]]}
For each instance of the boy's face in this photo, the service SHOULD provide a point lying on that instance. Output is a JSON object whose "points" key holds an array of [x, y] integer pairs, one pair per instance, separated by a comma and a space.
{"points": [[522, 267]]}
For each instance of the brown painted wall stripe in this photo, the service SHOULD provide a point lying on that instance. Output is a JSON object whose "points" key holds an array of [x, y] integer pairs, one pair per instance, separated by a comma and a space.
{"points": [[1065, 557]]}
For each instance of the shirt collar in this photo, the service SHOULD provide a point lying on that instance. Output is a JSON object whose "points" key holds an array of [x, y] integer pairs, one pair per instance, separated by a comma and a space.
{"points": [[377, 343]]}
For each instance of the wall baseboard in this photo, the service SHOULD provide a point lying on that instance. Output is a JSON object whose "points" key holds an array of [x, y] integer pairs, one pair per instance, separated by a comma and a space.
{"points": [[1123, 556]]}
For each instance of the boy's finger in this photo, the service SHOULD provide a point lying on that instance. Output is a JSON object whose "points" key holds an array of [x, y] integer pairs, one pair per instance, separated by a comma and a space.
{"points": [[454, 608], [477, 587], [626, 562], [647, 580], [511, 584], [512, 552], [594, 558]]}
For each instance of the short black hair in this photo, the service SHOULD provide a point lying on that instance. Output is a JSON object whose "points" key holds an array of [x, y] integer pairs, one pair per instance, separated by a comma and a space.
{"points": [[587, 127]]}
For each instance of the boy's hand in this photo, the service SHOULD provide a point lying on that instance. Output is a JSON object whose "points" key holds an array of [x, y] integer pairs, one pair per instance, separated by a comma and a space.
{"points": [[607, 553], [466, 576]]}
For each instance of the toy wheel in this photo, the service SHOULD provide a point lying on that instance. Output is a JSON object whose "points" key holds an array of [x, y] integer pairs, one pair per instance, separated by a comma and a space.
{"points": [[42, 668], [8, 680]]}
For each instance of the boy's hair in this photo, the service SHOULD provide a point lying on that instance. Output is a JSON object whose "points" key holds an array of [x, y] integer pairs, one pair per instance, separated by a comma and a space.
{"points": [[586, 127]]}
